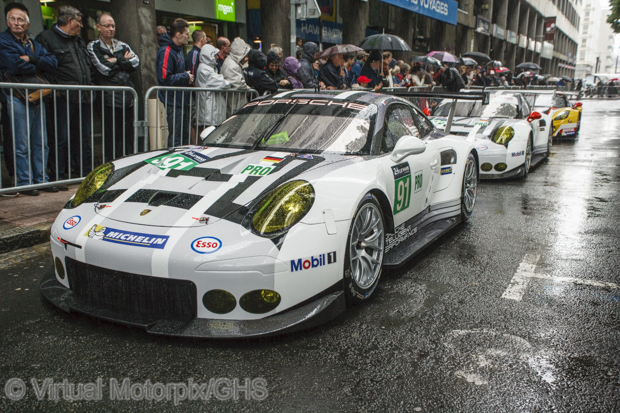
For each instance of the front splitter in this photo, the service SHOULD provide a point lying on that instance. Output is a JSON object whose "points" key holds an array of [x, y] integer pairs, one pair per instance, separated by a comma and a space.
{"points": [[304, 317]]}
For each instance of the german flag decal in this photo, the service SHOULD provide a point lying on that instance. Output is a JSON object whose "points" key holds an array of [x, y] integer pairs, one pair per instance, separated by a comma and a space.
{"points": [[273, 159]]}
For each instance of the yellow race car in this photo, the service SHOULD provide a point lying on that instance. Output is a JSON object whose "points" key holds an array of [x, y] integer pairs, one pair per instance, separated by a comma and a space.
{"points": [[566, 117]]}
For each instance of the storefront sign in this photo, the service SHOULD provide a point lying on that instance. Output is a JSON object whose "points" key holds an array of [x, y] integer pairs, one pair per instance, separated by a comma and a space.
{"points": [[332, 32], [511, 37], [549, 29], [309, 30], [483, 25], [225, 10], [442, 10], [499, 32]]}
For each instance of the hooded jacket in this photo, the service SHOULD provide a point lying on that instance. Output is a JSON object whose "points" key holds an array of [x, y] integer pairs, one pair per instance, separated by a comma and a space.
{"points": [[291, 66], [74, 66], [231, 68], [211, 106], [280, 74], [256, 76], [171, 72], [306, 71]]}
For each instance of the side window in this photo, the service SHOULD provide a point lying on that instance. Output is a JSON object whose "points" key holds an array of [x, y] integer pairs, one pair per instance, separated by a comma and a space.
{"points": [[398, 123], [525, 109], [424, 125]]}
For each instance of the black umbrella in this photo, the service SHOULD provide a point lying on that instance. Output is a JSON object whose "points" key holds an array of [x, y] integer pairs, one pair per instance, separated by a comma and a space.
{"points": [[426, 60], [494, 64], [481, 58], [466, 61], [384, 42], [566, 78], [528, 66]]}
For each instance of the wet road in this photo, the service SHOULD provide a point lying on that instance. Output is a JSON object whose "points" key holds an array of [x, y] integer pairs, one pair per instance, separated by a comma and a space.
{"points": [[517, 311]]}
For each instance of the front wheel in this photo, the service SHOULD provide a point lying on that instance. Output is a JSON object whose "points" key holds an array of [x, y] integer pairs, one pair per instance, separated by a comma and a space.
{"points": [[470, 185], [365, 251]]}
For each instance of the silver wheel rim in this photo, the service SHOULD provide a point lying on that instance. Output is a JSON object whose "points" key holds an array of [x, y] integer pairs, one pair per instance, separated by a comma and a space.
{"points": [[528, 156], [366, 246], [470, 183]]}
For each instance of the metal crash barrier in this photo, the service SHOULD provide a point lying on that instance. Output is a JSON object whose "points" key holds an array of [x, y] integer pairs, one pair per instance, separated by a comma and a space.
{"points": [[63, 130]]}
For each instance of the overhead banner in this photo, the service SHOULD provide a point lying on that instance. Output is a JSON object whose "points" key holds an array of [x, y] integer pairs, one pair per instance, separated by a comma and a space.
{"points": [[483, 25], [549, 29], [309, 30], [332, 32], [512, 37], [442, 10], [499, 32]]}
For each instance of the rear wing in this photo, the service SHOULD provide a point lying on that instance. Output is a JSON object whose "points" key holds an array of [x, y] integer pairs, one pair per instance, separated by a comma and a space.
{"points": [[423, 99]]}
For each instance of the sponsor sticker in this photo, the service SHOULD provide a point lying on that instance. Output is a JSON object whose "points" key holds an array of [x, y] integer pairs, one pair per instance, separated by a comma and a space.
{"points": [[257, 170], [482, 122], [320, 260], [118, 236], [439, 123], [278, 138], [272, 159], [482, 147], [402, 187], [520, 153], [446, 170], [183, 161], [305, 156], [71, 222], [206, 245]]}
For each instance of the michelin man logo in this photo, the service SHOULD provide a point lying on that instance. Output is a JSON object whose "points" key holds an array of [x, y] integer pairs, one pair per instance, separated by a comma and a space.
{"points": [[96, 232]]}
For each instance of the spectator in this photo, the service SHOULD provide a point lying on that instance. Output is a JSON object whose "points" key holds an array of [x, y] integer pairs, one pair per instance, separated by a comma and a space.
{"points": [[232, 71], [453, 81], [7, 137], [192, 60], [479, 79], [160, 30], [256, 77], [363, 81], [426, 78], [503, 82], [276, 49], [211, 105], [415, 76], [356, 68], [306, 70], [74, 68], [171, 72], [21, 59], [275, 72], [385, 73], [406, 73], [291, 66], [331, 73], [371, 70], [114, 61], [349, 77], [395, 72], [299, 44], [224, 45]]}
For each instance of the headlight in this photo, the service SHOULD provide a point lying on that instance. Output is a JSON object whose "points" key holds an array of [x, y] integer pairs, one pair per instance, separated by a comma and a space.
{"points": [[562, 115], [504, 135], [92, 183], [283, 207]]}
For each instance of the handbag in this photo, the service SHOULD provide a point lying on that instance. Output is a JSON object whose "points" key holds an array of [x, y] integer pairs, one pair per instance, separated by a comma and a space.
{"points": [[33, 97]]}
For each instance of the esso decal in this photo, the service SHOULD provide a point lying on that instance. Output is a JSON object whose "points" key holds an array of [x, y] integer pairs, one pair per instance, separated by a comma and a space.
{"points": [[482, 147], [72, 222], [206, 245]]}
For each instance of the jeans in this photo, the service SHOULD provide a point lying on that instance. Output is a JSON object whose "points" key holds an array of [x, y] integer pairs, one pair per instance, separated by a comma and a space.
{"points": [[178, 125], [69, 138], [30, 151]]}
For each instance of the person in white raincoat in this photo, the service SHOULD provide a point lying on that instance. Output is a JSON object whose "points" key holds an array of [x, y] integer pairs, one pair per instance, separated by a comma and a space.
{"points": [[232, 70], [211, 106]]}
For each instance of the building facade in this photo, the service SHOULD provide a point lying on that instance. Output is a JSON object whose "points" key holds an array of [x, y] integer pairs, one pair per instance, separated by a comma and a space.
{"points": [[596, 40]]}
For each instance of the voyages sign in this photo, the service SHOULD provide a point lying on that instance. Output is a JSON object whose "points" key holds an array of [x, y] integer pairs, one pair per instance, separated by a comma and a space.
{"points": [[443, 10]]}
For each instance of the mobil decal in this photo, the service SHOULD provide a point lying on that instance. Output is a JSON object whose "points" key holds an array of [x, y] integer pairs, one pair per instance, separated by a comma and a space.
{"points": [[313, 262], [71, 222], [520, 153], [135, 239], [206, 245]]}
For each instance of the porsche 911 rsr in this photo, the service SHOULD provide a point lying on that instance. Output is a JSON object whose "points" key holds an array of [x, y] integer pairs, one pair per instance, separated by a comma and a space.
{"points": [[287, 213], [509, 137], [566, 116]]}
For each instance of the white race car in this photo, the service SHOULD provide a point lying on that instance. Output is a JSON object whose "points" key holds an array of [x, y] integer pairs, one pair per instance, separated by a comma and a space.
{"points": [[510, 138], [286, 214]]}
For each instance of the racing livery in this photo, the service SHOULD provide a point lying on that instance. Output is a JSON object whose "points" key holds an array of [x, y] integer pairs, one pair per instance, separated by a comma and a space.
{"points": [[285, 215], [566, 117], [510, 138]]}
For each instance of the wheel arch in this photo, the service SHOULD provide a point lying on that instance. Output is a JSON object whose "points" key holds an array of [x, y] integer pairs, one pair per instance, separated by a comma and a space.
{"points": [[386, 208]]}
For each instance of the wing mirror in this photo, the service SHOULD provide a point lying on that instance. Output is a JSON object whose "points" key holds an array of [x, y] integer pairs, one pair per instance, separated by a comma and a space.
{"points": [[577, 105], [207, 131], [533, 116], [407, 145]]}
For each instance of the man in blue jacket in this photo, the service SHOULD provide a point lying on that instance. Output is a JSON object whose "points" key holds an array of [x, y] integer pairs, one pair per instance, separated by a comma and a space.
{"points": [[171, 72], [21, 58]]}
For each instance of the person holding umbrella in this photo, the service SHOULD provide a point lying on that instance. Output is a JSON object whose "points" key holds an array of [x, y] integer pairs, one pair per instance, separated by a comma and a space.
{"points": [[371, 70], [331, 73], [306, 70]]}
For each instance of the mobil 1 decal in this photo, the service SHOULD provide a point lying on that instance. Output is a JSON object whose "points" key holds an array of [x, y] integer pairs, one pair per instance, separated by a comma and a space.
{"points": [[183, 161], [403, 186]]}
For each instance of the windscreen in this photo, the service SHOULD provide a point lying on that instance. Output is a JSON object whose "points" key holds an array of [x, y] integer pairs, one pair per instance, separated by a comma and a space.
{"points": [[549, 101], [501, 107], [299, 125], [464, 108]]}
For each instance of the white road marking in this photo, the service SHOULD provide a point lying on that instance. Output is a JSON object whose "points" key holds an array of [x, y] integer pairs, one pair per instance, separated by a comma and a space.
{"points": [[525, 272]]}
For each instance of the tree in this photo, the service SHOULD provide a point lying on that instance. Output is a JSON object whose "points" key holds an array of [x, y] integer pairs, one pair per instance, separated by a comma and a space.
{"points": [[614, 17], [275, 24], [354, 21]]}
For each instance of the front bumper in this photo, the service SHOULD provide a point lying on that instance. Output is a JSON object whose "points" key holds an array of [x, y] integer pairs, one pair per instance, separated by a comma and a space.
{"points": [[302, 317], [516, 172]]}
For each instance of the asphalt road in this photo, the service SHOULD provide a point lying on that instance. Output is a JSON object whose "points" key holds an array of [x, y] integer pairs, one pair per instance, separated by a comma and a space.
{"points": [[517, 311]]}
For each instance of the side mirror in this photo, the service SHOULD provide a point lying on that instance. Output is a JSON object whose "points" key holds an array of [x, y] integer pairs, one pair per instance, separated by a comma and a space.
{"points": [[407, 145], [207, 131], [577, 105], [533, 116]]}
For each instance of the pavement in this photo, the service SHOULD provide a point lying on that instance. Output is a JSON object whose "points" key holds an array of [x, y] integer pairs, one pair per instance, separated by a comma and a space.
{"points": [[26, 221]]}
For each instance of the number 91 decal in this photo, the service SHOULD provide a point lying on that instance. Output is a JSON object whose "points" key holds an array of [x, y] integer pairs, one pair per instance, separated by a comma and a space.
{"points": [[206, 245]]}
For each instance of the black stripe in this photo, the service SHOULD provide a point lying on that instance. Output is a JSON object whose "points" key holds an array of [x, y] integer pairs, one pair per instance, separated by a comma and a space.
{"points": [[172, 199]]}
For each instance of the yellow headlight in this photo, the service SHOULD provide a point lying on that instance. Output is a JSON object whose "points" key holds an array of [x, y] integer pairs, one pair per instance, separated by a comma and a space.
{"points": [[283, 207], [504, 135], [562, 115], [92, 183]]}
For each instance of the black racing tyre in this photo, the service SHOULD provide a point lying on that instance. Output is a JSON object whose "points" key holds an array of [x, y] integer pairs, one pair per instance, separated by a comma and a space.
{"points": [[470, 187], [528, 158], [364, 251]]}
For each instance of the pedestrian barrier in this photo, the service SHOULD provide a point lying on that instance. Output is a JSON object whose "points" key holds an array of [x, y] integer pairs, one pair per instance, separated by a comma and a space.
{"points": [[175, 110], [63, 132]]}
